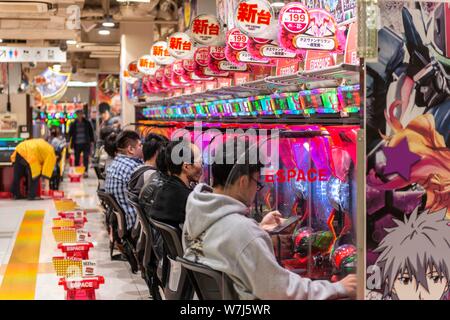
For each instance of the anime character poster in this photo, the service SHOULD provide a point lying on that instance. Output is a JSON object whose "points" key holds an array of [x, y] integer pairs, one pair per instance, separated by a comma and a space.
{"points": [[408, 154], [108, 90]]}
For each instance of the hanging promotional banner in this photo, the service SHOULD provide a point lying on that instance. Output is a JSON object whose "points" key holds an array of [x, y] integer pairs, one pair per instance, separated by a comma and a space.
{"points": [[133, 70], [180, 46], [32, 54], [318, 60], [320, 33], [205, 29], [52, 85], [160, 53], [147, 65], [256, 18]]}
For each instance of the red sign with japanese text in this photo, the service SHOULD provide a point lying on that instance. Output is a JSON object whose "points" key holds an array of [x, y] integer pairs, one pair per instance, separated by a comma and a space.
{"points": [[180, 45], [147, 65], [351, 47], [205, 29], [254, 16], [160, 53]]}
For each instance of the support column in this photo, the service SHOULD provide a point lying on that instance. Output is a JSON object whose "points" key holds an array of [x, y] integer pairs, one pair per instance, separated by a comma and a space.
{"points": [[135, 40]]}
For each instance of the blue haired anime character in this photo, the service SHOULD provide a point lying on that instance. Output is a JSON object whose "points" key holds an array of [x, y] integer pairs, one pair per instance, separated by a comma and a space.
{"points": [[415, 258]]}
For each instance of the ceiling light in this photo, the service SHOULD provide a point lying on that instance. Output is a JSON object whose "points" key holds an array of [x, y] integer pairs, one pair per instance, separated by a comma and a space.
{"points": [[82, 84], [71, 42], [108, 24], [277, 4], [104, 32], [1, 40]]}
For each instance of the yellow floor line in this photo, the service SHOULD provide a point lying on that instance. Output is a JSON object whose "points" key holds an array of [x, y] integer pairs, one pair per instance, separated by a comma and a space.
{"points": [[19, 282]]}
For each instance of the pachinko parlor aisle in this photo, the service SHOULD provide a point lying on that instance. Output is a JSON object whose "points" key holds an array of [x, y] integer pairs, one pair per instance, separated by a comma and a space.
{"points": [[226, 150]]}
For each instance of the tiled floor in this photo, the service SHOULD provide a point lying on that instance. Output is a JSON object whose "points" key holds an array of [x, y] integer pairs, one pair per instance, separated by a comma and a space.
{"points": [[120, 283]]}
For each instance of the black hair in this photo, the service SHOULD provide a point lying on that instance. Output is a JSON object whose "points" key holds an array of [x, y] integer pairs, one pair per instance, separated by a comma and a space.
{"points": [[105, 132], [161, 163], [181, 146], [110, 144], [228, 167], [152, 144], [127, 138], [103, 107]]}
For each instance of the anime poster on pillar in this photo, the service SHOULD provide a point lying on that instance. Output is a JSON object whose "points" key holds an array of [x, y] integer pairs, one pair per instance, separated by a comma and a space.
{"points": [[408, 154], [108, 90]]}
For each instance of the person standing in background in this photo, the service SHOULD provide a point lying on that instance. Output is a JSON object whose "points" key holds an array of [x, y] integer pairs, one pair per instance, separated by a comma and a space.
{"points": [[81, 137]]}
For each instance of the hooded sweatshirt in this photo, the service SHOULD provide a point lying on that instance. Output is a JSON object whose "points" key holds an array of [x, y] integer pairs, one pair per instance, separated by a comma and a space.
{"points": [[218, 233]]}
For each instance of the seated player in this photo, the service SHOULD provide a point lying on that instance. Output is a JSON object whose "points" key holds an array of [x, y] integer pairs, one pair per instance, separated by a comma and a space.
{"points": [[128, 148], [218, 233], [184, 164], [150, 149]]}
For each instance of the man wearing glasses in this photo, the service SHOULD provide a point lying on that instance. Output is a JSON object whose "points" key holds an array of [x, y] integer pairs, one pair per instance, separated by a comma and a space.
{"points": [[219, 233]]}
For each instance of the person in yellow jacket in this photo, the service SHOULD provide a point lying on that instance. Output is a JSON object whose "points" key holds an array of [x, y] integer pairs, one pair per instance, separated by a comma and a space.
{"points": [[32, 158]]}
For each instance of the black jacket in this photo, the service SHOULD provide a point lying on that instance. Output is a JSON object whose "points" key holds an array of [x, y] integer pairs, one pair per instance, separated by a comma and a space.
{"points": [[170, 202], [73, 132]]}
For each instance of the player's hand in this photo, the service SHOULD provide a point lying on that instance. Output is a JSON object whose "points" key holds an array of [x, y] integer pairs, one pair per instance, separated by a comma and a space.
{"points": [[349, 283], [271, 220]]}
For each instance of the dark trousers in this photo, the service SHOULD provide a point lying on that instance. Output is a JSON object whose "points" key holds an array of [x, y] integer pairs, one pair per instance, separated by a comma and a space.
{"points": [[86, 149], [22, 169]]}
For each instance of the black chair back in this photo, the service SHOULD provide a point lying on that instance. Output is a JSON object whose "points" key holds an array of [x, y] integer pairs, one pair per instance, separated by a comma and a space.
{"points": [[172, 243], [209, 284], [116, 209], [171, 237], [100, 177]]}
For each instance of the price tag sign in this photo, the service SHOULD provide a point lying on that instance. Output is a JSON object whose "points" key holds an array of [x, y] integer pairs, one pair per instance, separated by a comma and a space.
{"points": [[201, 56], [180, 45], [88, 268], [205, 29], [188, 65], [147, 65], [287, 67], [177, 68], [160, 53], [294, 18], [236, 39], [217, 52], [254, 17]]}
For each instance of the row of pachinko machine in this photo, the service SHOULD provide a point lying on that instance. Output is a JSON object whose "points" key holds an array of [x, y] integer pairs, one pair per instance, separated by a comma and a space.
{"points": [[312, 184], [342, 101]]}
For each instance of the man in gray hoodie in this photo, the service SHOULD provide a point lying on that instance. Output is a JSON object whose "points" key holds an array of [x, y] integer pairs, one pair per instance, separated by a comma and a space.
{"points": [[218, 233]]}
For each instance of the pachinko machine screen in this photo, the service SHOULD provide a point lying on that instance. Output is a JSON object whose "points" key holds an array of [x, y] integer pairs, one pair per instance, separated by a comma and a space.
{"points": [[321, 101], [286, 103], [314, 189], [349, 98]]}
